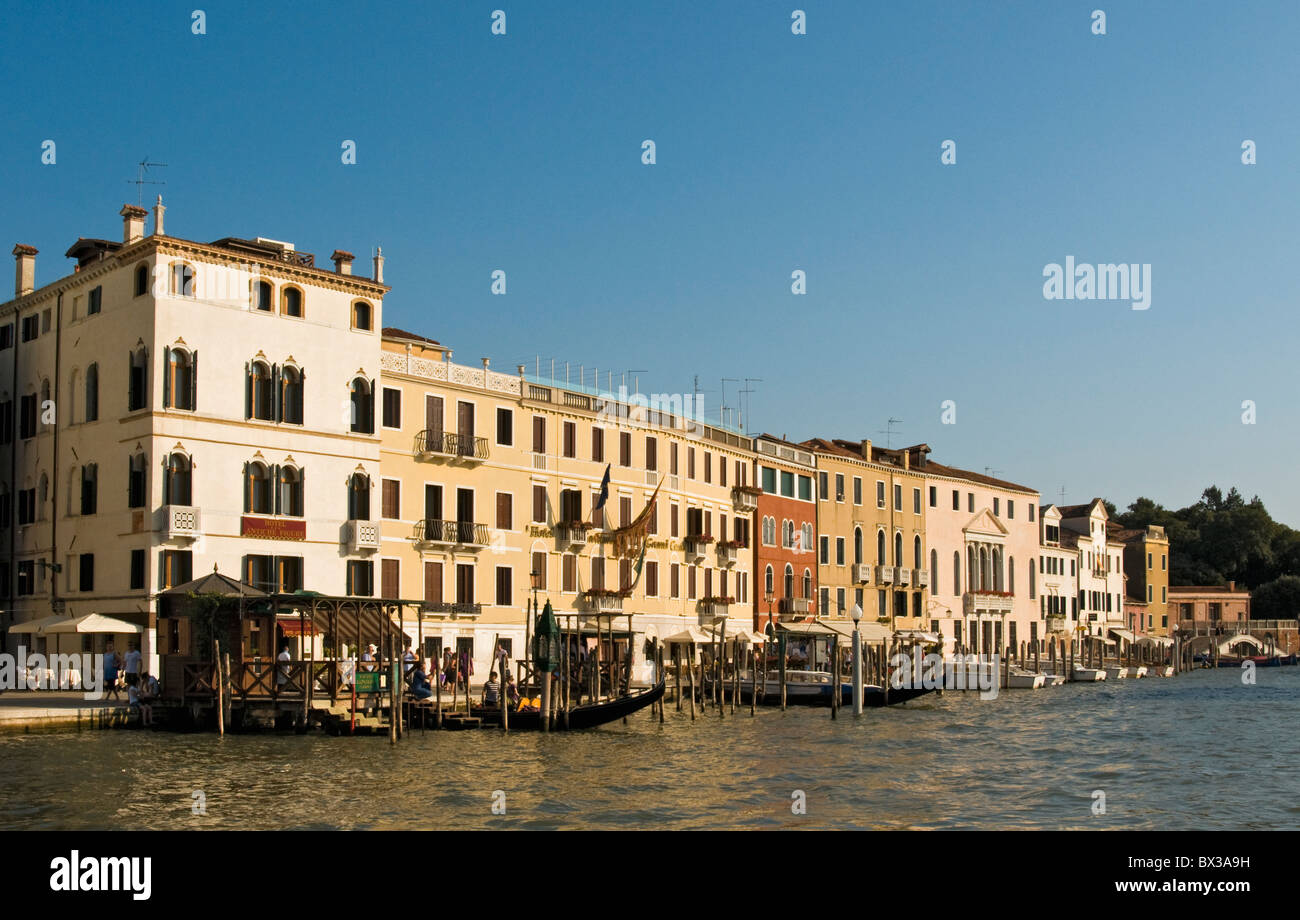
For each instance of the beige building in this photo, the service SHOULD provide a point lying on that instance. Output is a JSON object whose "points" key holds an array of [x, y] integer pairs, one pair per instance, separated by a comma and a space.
{"points": [[1146, 563], [871, 521], [489, 478]]}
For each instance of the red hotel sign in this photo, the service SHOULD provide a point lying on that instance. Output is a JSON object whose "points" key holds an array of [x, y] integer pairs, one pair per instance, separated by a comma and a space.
{"points": [[272, 528]]}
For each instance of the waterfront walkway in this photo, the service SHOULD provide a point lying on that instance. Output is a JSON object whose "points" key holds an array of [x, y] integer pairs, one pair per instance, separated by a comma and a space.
{"points": [[40, 710]]}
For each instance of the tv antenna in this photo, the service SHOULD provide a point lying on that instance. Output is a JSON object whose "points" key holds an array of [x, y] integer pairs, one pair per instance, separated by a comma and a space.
{"points": [[723, 408], [989, 471], [888, 431], [141, 171], [744, 410]]}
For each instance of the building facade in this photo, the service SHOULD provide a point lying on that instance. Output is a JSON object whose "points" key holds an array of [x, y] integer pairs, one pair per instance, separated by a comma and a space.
{"points": [[1057, 579], [1101, 567], [172, 406], [786, 521], [1146, 562], [490, 487]]}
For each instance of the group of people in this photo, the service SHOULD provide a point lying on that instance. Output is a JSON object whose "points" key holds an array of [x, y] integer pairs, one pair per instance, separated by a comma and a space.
{"points": [[127, 672]]}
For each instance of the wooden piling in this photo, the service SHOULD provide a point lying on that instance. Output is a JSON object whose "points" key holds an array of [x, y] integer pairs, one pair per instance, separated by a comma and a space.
{"points": [[217, 681], [692, 678], [780, 649]]}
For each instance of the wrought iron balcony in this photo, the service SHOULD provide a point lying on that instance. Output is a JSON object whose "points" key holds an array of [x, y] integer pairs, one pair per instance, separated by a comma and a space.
{"points": [[603, 601], [455, 608], [432, 444], [431, 533]]}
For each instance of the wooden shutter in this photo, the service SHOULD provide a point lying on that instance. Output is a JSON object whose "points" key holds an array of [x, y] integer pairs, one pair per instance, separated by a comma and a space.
{"points": [[247, 485], [276, 487], [194, 381], [248, 389], [505, 511], [167, 377], [433, 582]]}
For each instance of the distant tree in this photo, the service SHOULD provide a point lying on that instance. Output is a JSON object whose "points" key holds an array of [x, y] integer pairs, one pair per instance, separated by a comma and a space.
{"points": [[1278, 599]]}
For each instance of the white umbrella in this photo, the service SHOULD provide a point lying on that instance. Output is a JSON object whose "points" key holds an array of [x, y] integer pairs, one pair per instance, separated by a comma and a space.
{"points": [[94, 623], [32, 627], [689, 635]]}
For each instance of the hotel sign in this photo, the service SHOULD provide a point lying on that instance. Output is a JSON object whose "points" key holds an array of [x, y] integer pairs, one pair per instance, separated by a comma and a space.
{"points": [[272, 528]]}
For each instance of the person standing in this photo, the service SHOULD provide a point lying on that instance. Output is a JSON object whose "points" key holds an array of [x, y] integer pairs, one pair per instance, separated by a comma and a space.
{"points": [[132, 665], [112, 664]]}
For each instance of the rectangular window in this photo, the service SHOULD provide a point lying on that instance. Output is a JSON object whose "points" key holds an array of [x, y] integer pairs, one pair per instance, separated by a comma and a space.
{"points": [[956, 500], [505, 511], [839, 550], [433, 582], [690, 582], [652, 579], [86, 572], [898, 497], [96, 301], [970, 502], [708, 467], [505, 427], [624, 448], [6, 336], [259, 572], [722, 472], [539, 504], [880, 493], [598, 573], [598, 445], [672, 520], [569, 437], [823, 486], [569, 573], [464, 583], [137, 570], [651, 454], [769, 482], [916, 501], [674, 580], [934, 497], [825, 547], [839, 601], [672, 459], [1011, 509], [995, 506], [392, 408], [537, 574], [857, 490], [1031, 512], [390, 578], [89, 488], [539, 435], [31, 327], [805, 488], [392, 501], [690, 463], [175, 567], [505, 588]]}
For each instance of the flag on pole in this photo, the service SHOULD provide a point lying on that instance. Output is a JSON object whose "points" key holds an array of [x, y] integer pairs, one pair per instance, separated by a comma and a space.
{"points": [[604, 492]]}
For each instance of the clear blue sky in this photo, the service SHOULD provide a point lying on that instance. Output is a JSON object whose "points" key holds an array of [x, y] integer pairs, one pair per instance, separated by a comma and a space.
{"points": [[775, 153]]}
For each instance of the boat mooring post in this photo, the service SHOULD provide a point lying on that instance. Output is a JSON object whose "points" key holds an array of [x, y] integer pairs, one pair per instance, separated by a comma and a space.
{"points": [[857, 660], [677, 674], [692, 678], [780, 649], [216, 669]]}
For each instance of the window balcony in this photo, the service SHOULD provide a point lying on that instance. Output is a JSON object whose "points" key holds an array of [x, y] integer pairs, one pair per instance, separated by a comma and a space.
{"points": [[431, 444], [599, 600], [987, 602], [181, 522], [434, 534], [921, 578], [361, 536], [884, 575], [862, 573], [800, 606], [903, 577], [744, 499], [696, 547], [452, 608], [729, 553], [572, 534], [713, 608]]}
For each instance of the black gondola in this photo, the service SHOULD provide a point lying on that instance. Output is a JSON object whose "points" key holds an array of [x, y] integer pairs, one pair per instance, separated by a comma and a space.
{"points": [[589, 715]]}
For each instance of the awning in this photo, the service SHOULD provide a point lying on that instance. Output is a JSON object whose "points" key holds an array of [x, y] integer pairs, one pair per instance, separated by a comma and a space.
{"points": [[920, 636], [808, 629], [35, 626], [689, 635], [94, 623], [292, 627], [1161, 641], [745, 636], [1122, 633]]}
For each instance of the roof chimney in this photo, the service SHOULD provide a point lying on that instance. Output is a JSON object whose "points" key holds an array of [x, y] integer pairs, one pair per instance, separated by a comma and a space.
{"points": [[1232, 586], [158, 210], [132, 223], [907, 459], [342, 261], [25, 270], [866, 450], [379, 265]]}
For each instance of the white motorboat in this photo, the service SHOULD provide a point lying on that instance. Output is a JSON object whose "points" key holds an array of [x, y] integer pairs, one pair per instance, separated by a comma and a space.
{"points": [[1161, 670], [1139, 671], [1086, 674], [1020, 679], [1115, 673]]}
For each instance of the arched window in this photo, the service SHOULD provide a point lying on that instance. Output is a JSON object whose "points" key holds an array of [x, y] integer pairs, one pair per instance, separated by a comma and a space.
{"points": [[916, 553], [180, 387], [261, 392], [857, 545], [359, 497], [263, 296], [182, 279], [361, 318], [808, 540], [363, 406], [258, 496], [291, 491], [141, 279], [880, 547], [291, 390], [956, 574], [292, 302], [1031, 582], [177, 485], [789, 580], [92, 393], [768, 584], [898, 549], [135, 487], [807, 583], [137, 392]]}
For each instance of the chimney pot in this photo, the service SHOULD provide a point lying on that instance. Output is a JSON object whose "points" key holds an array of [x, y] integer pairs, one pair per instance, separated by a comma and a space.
{"points": [[24, 269], [342, 261], [379, 265], [866, 450], [132, 223], [1232, 586]]}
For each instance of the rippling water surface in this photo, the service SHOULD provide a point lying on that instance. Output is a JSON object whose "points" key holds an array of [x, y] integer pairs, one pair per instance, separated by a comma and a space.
{"points": [[1197, 751]]}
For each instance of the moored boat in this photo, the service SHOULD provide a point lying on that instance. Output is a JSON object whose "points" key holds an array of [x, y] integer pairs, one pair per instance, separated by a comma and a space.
{"points": [[1086, 674], [589, 715]]}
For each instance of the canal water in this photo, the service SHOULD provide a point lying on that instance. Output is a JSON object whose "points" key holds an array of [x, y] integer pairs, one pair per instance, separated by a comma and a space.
{"points": [[1198, 751]]}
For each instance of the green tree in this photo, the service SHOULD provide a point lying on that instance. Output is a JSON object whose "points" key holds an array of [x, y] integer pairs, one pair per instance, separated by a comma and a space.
{"points": [[1278, 599]]}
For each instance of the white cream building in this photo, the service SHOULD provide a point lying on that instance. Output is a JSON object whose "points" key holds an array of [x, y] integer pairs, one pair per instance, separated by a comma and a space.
{"points": [[209, 404]]}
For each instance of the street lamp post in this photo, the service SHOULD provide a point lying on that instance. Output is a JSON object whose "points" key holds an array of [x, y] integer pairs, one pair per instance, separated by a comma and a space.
{"points": [[856, 613]]}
